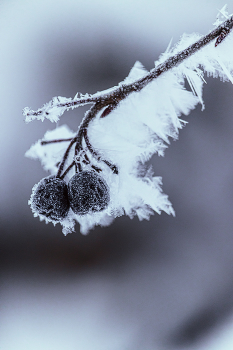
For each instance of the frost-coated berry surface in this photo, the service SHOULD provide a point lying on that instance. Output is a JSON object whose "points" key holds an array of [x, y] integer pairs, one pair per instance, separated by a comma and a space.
{"points": [[88, 193], [50, 198]]}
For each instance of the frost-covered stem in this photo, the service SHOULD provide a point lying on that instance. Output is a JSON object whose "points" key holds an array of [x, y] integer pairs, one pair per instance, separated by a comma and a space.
{"points": [[82, 133], [61, 166], [178, 58], [55, 141], [124, 90], [112, 98], [67, 170]]}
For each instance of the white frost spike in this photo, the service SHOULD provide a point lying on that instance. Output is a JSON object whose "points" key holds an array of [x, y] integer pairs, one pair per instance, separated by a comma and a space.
{"points": [[51, 110], [225, 70], [166, 53], [137, 71], [195, 81], [224, 11]]}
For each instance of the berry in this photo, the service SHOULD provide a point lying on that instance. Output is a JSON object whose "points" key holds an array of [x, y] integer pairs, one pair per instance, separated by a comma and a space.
{"points": [[88, 193], [50, 198]]}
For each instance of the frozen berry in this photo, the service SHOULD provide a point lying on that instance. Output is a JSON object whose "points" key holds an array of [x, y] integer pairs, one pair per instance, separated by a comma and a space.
{"points": [[50, 198], [88, 193]]}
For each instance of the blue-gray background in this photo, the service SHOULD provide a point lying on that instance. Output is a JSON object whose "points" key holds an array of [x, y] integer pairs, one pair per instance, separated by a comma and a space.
{"points": [[162, 284]]}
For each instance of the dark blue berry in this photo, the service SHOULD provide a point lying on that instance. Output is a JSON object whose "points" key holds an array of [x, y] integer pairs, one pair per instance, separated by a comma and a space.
{"points": [[88, 193], [50, 198]]}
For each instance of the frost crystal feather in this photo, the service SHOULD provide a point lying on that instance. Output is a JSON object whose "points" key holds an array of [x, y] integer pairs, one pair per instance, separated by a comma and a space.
{"points": [[99, 172]]}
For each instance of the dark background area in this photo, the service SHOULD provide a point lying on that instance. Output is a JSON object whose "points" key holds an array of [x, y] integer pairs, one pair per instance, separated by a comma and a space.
{"points": [[162, 284]]}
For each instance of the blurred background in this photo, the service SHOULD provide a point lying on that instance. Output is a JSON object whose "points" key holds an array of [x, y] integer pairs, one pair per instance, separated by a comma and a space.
{"points": [[162, 284]]}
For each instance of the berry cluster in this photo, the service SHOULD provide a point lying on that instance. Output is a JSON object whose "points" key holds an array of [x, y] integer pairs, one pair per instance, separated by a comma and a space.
{"points": [[87, 192]]}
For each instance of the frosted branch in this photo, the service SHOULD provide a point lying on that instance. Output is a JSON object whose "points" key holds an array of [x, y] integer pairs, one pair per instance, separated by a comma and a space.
{"points": [[111, 97], [105, 159]]}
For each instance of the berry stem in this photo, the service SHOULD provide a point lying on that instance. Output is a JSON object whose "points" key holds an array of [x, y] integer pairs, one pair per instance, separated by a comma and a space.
{"points": [[96, 155], [54, 141], [66, 154], [78, 140], [67, 170]]}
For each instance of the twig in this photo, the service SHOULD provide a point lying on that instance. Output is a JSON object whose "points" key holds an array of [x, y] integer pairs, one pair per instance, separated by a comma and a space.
{"points": [[112, 97], [55, 141], [96, 155], [61, 166], [67, 170]]}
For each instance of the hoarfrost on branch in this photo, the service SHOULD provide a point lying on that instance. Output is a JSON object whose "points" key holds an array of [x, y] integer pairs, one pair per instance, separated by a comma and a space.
{"points": [[129, 123]]}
